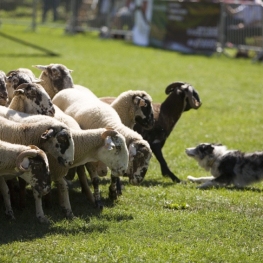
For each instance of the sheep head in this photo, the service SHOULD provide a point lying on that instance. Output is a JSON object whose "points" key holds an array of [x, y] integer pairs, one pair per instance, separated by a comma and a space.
{"points": [[32, 99], [144, 110], [34, 165], [192, 97], [56, 76], [18, 77], [114, 153], [58, 142], [139, 158], [3, 90]]}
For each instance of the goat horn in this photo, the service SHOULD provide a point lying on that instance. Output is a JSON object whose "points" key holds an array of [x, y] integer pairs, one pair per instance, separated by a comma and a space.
{"points": [[108, 133], [28, 153], [170, 88], [192, 100]]}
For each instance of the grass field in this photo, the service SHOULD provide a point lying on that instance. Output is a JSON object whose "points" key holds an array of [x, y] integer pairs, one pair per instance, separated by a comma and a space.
{"points": [[217, 225]]}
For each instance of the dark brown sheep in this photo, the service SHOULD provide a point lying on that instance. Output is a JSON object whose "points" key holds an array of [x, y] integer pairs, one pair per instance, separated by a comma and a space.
{"points": [[181, 97]]}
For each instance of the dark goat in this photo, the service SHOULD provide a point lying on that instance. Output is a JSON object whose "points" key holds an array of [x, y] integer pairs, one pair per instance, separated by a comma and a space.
{"points": [[181, 97]]}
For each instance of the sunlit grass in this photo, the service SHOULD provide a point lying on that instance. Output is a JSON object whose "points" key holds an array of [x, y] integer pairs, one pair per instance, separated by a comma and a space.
{"points": [[217, 225]]}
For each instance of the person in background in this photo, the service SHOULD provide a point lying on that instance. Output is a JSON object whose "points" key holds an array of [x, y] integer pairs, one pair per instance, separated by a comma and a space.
{"points": [[248, 17], [47, 5], [142, 22]]}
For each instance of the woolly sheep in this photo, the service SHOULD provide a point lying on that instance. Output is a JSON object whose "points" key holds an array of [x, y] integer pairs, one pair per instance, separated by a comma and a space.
{"points": [[55, 77], [92, 113], [51, 135], [94, 140], [181, 97], [3, 90], [46, 133], [108, 147], [133, 106], [29, 163]]}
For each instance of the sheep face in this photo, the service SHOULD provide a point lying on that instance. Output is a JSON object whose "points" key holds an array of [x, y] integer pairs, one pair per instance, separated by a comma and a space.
{"points": [[139, 159], [58, 142], [192, 99], [34, 99], [114, 153], [144, 111], [3, 90], [36, 173], [59, 76]]}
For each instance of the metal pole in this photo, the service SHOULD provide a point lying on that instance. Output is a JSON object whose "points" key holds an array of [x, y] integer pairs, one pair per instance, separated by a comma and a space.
{"points": [[34, 15], [73, 19]]}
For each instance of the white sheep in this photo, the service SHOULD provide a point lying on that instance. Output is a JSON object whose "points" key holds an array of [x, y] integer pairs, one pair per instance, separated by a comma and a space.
{"points": [[29, 163], [107, 146], [91, 145], [92, 113], [114, 159], [46, 133], [55, 77], [3, 90], [133, 106]]}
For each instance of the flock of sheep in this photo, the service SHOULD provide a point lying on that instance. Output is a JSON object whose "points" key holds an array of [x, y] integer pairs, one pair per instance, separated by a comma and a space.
{"points": [[52, 129]]}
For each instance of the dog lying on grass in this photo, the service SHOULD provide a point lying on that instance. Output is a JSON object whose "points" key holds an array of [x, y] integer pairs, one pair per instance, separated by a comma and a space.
{"points": [[228, 167]]}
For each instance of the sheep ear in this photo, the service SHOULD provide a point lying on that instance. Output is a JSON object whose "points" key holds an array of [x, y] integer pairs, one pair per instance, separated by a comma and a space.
{"points": [[109, 144], [24, 164], [47, 134], [132, 150], [170, 88], [139, 101], [40, 67]]}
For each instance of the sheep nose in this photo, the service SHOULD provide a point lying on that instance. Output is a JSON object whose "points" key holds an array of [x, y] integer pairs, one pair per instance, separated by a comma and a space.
{"points": [[70, 163]]}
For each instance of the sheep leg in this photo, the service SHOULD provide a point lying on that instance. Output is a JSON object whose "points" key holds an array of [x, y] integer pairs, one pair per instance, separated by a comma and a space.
{"points": [[95, 182], [6, 195], [115, 187], [12, 191], [71, 174], [64, 197], [22, 193], [39, 209], [84, 183], [157, 150]]}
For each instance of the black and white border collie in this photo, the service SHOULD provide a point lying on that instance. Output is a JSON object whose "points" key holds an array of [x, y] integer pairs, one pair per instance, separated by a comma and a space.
{"points": [[227, 167]]}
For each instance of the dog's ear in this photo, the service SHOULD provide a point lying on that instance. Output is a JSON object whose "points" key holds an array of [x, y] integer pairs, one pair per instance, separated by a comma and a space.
{"points": [[206, 149]]}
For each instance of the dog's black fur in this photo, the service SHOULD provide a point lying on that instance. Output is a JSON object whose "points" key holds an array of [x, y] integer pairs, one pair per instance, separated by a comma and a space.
{"points": [[228, 167]]}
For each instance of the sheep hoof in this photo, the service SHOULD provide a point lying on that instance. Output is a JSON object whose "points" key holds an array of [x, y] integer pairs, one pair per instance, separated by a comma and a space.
{"points": [[69, 214], [113, 194], [10, 215], [43, 220], [99, 205]]}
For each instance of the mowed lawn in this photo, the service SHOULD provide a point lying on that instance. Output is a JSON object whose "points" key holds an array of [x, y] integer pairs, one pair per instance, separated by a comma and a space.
{"points": [[216, 225]]}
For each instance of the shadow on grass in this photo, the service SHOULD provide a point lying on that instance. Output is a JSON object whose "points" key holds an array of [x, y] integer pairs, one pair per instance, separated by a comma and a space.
{"points": [[26, 227]]}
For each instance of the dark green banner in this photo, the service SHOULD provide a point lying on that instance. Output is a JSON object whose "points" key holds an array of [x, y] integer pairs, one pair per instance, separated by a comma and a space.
{"points": [[188, 27]]}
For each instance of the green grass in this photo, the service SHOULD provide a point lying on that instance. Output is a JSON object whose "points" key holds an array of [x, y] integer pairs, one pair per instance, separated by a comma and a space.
{"points": [[217, 225]]}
